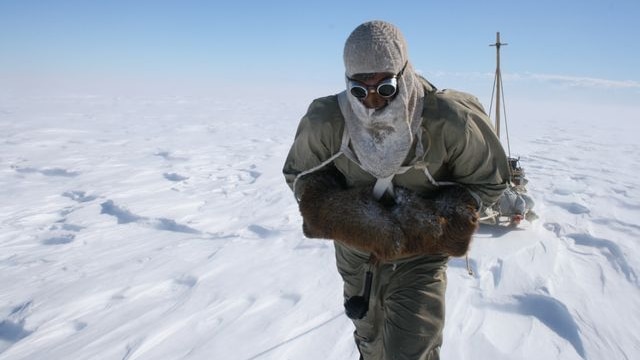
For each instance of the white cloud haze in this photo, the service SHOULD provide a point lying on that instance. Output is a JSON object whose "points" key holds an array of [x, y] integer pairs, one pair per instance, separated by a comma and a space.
{"points": [[565, 80]]}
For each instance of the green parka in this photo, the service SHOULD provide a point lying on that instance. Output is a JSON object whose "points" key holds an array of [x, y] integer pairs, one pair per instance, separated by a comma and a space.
{"points": [[459, 146]]}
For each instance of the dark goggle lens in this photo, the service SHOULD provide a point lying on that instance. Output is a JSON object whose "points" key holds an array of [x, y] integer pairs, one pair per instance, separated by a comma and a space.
{"points": [[358, 91], [386, 90]]}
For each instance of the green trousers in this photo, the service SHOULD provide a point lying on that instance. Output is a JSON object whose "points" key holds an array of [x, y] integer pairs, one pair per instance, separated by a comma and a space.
{"points": [[406, 309]]}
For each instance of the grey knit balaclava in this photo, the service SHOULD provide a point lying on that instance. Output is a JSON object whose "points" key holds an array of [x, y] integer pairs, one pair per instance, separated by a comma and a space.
{"points": [[381, 138]]}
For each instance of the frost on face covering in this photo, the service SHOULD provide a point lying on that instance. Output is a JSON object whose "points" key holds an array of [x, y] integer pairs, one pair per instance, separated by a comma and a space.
{"points": [[381, 138]]}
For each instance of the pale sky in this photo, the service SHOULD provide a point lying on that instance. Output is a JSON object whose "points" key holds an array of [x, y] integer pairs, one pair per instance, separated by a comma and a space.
{"points": [[580, 48]]}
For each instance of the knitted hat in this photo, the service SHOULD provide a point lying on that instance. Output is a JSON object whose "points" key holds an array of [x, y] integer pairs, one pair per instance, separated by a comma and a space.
{"points": [[381, 138], [375, 47]]}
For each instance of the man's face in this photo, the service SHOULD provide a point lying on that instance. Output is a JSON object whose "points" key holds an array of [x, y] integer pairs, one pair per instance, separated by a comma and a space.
{"points": [[371, 81]]}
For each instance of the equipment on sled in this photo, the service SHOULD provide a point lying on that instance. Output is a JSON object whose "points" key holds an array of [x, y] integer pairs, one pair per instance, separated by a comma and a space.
{"points": [[515, 204]]}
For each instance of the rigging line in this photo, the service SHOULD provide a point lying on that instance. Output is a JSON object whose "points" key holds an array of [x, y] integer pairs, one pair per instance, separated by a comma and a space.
{"points": [[307, 332], [492, 93], [506, 123]]}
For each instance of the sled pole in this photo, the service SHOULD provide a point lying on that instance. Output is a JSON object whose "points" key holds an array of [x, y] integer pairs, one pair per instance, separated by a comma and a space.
{"points": [[498, 81]]}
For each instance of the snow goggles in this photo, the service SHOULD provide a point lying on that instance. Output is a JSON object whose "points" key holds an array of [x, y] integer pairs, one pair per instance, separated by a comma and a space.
{"points": [[385, 88]]}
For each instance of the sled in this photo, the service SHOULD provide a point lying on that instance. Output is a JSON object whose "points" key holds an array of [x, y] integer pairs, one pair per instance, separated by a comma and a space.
{"points": [[515, 205]]}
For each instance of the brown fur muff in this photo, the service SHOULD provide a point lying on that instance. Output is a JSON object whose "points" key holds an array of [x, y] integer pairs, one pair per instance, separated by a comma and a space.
{"points": [[443, 224], [350, 216], [460, 210], [412, 226]]}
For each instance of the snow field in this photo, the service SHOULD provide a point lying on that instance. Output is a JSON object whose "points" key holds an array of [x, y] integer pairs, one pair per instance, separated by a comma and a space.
{"points": [[161, 228]]}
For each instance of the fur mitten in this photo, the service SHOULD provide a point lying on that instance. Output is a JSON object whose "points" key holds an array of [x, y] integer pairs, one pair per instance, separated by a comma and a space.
{"points": [[442, 225], [351, 216]]}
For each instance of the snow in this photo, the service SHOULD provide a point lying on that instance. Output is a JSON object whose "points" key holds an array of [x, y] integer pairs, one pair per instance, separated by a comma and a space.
{"points": [[160, 227]]}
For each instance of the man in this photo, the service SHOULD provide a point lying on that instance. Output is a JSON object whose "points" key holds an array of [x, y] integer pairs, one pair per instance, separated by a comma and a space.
{"points": [[395, 172]]}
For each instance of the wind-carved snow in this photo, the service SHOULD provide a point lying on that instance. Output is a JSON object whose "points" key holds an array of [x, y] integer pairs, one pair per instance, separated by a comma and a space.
{"points": [[169, 156], [58, 240], [79, 196], [261, 231], [161, 228], [550, 312], [11, 332], [12, 328], [124, 216], [174, 177], [47, 171], [610, 250]]}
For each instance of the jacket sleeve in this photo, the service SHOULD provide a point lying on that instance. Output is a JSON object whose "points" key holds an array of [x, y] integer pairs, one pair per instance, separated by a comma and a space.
{"points": [[316, 140], [476, 157]]}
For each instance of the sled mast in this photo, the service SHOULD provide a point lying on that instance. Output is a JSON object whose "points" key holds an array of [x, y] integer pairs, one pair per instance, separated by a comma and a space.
{"points": [[499, 92], [514, 205], [498, 81]]}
